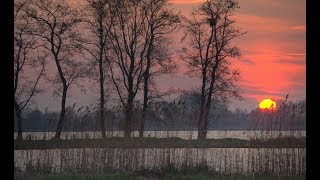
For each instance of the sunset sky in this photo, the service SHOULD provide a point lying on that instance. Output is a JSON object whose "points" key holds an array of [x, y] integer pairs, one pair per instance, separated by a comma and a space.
{"points": [[273, 61]]}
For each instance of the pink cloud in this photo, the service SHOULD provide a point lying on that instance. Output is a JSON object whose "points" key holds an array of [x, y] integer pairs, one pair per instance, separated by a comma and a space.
{"points": [[299, 28]]}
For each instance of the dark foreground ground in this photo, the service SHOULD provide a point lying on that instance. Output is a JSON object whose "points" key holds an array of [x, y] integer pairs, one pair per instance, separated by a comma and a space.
{"points": [[119, 142], [120, 176]]}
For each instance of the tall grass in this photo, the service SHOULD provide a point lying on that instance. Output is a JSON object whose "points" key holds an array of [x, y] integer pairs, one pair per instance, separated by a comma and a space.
{"points": [[273, 161], [272, 123]]}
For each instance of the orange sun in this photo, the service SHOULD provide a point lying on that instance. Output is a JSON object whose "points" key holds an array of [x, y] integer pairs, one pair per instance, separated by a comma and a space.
{"points": [[267, 104]]}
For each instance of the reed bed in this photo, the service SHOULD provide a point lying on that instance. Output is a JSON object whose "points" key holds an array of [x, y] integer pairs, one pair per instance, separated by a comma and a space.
{"points": [[245, 161]]}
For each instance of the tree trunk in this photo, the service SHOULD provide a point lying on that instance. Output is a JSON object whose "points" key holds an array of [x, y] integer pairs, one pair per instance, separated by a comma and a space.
{"points": [[101, 43], [145, 103], [202, 100], [204, 126], [102, 124], [129, 104], [62, 113], [143, 120], [145, 88], [202, 134], [127, 125], [18, 114]]}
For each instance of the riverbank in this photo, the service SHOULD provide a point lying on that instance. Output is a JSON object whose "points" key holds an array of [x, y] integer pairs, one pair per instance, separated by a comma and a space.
{"points": [[120, 142]]}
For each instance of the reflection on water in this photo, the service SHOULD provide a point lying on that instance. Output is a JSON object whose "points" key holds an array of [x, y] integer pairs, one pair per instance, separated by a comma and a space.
{"points": [[163, 134], [286, 161]]}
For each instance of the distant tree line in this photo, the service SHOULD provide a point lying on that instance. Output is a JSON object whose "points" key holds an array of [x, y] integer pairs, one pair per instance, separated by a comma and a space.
{"points": [[177, 115]]}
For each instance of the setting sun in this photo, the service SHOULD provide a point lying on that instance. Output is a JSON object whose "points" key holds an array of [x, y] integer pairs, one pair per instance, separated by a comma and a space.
{"points": [[267, 104]]}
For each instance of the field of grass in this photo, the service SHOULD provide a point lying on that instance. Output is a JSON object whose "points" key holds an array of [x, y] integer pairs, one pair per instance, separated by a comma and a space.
{"points": [[119, 142]]}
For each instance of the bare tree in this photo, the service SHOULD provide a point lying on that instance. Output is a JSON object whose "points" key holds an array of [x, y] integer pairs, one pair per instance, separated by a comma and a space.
{"points": [[126, 61], [55, 23], [138, 36], [161, 21], [24, 62], [210, 33], [99, 20]]}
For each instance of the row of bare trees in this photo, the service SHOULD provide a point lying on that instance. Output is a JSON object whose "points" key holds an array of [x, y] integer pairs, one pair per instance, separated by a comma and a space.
{"points": [[124, 45]]}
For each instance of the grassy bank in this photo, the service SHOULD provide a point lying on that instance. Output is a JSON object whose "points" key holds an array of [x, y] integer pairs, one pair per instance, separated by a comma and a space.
{"points": [[119, 142]]}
